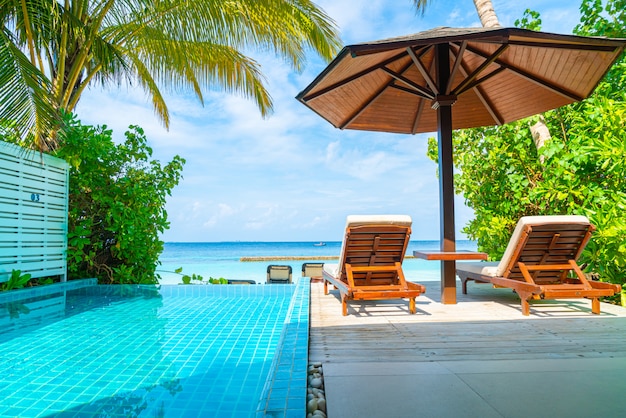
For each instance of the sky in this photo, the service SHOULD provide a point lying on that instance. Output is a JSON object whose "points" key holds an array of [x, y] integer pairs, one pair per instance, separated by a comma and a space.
{"points": [[292, 176]]}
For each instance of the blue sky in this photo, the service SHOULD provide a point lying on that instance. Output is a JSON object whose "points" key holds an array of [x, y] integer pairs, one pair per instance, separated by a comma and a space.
{"points": [[292, 176]]}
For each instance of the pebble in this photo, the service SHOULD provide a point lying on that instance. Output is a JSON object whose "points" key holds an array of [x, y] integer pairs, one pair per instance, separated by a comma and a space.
{"points": [[316, 398]]}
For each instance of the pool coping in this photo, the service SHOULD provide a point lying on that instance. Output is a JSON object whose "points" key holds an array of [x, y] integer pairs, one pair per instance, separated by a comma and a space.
{"points": [[45, 290], [284, 394]]}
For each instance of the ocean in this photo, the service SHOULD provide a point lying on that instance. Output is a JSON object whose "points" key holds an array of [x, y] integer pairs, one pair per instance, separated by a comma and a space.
{"points": [[223, 259]]}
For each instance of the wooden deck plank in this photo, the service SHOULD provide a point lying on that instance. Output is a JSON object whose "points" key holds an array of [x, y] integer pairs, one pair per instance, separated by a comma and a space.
{"points": [[486, 324]]}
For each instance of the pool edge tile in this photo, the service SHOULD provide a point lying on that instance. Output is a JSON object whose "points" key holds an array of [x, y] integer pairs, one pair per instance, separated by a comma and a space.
{"points": [[289, 361]]}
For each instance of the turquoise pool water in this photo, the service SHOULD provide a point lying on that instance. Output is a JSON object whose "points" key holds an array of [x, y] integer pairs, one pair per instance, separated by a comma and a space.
{"points": [[133, 351]]}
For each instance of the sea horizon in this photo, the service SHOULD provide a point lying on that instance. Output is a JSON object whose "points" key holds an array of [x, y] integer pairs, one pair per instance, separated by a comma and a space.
{"points": [[224, 259]]}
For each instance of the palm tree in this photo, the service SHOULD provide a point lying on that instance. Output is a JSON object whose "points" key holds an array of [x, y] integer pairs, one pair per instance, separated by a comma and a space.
{"points": [[486, 13], [51, 50], [489, 19]]}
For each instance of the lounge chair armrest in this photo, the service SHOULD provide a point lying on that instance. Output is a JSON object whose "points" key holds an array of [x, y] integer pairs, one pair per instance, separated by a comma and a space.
{"points": [[604, 285], [515, 284], [416, 286], [342, 286]]}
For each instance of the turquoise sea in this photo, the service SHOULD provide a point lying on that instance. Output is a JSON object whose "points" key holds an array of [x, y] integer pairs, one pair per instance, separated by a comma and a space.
{"points": [[223, 259]]}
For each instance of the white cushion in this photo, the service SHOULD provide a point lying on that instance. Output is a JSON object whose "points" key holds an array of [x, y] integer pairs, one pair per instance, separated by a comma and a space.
{"points": [[332, 270], [483, 268], [363, 220]]}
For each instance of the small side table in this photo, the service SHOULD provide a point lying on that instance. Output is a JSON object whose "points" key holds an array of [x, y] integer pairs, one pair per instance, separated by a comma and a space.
{"points": [[448, 288]]}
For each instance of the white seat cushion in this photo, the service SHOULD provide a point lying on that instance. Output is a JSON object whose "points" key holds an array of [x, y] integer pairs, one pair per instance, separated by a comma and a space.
{"points": [[332, 270], [484, 268]]}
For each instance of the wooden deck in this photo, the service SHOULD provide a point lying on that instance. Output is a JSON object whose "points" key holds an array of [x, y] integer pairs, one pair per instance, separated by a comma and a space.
{"points": [[478, 358], [486, 324]]}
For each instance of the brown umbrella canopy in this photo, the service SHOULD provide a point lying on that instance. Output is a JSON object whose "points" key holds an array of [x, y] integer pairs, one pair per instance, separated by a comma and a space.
{"points": [[497, 75], [450, 78]]}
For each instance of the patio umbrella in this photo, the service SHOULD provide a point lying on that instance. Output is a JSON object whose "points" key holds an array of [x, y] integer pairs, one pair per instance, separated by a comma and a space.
{"points": [[453, 78]]}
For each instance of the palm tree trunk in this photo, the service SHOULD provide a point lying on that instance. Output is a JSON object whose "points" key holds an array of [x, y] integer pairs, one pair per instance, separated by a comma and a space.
{"points": [[489, 19], [486, 13], [540, 133]]}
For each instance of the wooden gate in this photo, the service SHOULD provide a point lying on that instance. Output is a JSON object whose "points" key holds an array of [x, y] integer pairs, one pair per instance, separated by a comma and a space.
{"points": [[33, 213]]}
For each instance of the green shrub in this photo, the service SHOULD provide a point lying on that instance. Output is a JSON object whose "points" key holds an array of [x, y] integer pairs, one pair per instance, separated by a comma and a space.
{"points": [[116, 203], [16, 281], [187, 278]]}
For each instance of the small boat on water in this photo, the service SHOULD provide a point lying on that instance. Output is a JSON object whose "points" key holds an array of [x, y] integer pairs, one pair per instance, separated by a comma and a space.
{"points": [[319, 244]]}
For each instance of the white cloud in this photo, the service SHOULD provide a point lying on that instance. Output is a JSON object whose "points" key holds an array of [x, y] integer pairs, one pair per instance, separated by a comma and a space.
{"points": [[293, 176]]}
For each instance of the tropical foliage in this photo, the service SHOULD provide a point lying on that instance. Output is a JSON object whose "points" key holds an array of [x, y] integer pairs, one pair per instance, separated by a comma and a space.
{"points": [[117, 203], [51, 50], [580, 170]]}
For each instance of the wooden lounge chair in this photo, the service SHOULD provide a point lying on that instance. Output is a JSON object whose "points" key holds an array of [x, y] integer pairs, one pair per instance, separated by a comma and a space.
{"points": [[370, 262], [540, 262]]}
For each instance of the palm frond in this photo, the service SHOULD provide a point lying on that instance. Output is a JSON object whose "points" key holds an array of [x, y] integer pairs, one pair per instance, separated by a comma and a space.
{"points": [[175, 44], [24, 96]]}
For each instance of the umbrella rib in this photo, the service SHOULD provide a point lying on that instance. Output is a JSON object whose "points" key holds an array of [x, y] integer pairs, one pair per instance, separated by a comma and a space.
{"points": [[475, 83], [488, 61], [567, 94], [428, 96], [420, 107], [485, 101], [418, 116], [419, 89], [353, 77], [479, 93], [429, 80], [537, 80], [458, 59]]}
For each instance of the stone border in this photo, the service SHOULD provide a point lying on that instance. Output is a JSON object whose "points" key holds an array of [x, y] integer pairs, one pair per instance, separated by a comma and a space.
{"points": [[315, 397]]}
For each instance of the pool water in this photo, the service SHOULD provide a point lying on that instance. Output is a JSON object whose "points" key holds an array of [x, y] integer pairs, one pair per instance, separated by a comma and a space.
{"points": [[136, 351]]}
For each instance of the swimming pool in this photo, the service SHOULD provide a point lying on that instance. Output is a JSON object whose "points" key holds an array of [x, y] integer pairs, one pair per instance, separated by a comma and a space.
{"points": [[85, 350]]}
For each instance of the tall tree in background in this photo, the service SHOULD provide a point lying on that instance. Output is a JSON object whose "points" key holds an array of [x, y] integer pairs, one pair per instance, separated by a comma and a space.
{"points": [[488, 19], [51, 50], [581, 168], [486, 12]]}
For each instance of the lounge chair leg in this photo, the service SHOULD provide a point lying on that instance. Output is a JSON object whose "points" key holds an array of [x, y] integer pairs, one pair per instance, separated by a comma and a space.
{"points": [[325, 287], [412, 308], [464, 285], [344, 306], [525, 307], [595, 306]]}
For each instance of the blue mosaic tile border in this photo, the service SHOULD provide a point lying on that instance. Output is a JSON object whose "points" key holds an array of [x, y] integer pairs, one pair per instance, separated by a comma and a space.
{"points": [[284, 394], [39, 291]]}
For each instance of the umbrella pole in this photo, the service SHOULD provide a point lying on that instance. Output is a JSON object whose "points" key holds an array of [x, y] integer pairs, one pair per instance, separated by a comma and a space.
{"points": [[446, 174]]}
